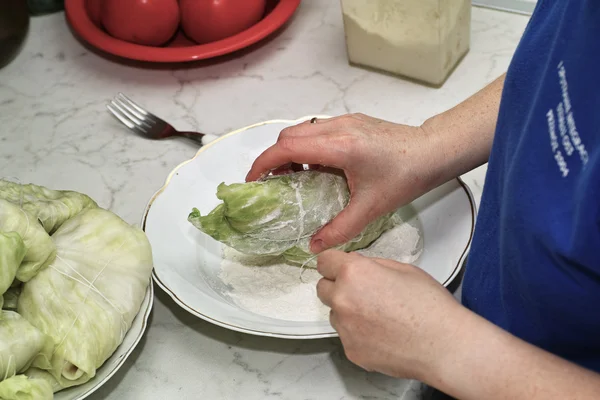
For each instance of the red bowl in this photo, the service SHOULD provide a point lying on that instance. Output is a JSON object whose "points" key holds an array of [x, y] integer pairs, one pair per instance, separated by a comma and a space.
{"points": [[180, 49]]}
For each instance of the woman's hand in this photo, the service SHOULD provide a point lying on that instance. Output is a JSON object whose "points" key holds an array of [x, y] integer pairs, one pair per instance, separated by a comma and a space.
{"points": [[392, 318], [387, 166], [395, 319]]}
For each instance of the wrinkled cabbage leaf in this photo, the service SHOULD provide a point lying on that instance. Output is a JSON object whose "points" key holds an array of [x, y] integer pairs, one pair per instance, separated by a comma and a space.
{"points": [[88, 297], [51, 207], [279, 216], [39, 374], [12, 252], [20, 387], [20, 342], [40, 249]]}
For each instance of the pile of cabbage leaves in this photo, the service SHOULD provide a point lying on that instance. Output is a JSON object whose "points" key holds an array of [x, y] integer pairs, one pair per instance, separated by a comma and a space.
{"points": [[72, 279]]}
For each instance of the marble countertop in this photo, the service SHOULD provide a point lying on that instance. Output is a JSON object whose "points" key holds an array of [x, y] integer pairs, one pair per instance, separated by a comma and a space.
{"points": [[56, 132]]}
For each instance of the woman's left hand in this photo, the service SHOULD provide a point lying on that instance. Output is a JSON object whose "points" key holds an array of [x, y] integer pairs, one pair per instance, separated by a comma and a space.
{"points": [[392, 318]]}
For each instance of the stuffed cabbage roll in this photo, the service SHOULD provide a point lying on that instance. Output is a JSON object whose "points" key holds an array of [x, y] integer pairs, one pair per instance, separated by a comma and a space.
{"points": [[278, 216], [21, 387], [20, 343], [40, 249], [12, 252], [88, 298], [51, 207]]}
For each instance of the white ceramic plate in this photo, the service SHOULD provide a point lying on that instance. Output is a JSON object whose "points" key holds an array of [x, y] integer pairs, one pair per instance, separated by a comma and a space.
{"points": [[187, 262], [116, 361]]}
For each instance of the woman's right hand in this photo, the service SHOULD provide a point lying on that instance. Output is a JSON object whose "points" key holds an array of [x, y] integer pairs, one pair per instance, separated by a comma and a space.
{"points": [[387, 165]]}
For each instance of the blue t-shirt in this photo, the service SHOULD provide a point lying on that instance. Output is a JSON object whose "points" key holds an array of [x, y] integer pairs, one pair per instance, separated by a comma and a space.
{"points": [[534, 266]]}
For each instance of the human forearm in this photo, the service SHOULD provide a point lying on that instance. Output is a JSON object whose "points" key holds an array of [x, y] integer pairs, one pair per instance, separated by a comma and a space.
{"points": [[464, 134], [433, 338], [485, 362]]}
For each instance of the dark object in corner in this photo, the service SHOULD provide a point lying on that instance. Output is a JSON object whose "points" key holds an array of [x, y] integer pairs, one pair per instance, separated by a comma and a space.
{"points": [[38, 7], [14, 24]]}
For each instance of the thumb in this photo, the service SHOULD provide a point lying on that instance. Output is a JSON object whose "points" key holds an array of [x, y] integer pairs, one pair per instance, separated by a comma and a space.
{"points": [[344, 227]]}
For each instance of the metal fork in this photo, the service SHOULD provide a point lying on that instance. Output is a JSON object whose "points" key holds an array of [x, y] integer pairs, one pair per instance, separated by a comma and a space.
{"points": [[146, 124]]}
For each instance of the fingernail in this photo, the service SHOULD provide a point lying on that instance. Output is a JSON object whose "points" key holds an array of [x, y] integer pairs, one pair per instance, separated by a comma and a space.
{"points": [[317, 246]]}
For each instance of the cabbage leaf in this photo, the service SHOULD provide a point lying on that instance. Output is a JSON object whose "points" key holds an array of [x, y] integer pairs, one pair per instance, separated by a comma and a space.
{"points": [[279, 216], [20, 387], [12, 252], [40, 249], [20, 343], [39, 374], [51, 207]]}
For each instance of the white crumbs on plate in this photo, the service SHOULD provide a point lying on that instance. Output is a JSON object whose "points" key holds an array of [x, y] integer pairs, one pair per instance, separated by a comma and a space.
{"points": [[269, 287], [402, 243]]}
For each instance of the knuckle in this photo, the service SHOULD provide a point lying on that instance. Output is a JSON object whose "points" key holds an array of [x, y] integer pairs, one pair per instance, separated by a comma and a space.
{"points": [[287, 143], [350, 144], [285, 133], [348, 271], [339, 303], [348, 120], [344, 272], [349, 139], [323, 258]]}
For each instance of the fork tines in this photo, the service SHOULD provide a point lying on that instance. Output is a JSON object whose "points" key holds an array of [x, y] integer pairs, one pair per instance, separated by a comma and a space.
{"points": [[131, 114]]}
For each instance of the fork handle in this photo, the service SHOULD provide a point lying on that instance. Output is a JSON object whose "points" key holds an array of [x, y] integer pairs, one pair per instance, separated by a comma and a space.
{"points": [[195, 136]]}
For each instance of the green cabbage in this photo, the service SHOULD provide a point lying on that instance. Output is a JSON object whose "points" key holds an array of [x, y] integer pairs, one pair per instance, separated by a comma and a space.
{"points": [[279, 216], [20, 342], [51, 207], [12, 252], [20, 387], [38, 374], [40, 249], [87, 299]]}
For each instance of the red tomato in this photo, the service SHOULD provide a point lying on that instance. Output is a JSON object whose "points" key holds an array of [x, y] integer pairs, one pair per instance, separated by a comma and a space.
{"points": [[94, 10], [147, 22], [207, 21]]}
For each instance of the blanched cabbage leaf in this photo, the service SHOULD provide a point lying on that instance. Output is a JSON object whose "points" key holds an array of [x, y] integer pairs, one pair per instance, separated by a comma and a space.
{"points": [[87, 299], [38, 374], [20, 342], [40, 249], [51, 207], [279, 216], [20, 387], [12, 251]]}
